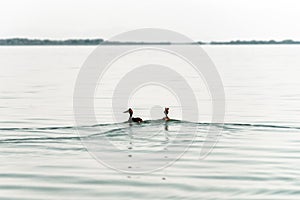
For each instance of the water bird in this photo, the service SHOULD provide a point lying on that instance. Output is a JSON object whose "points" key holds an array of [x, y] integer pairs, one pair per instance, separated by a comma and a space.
{"points": [[166, 118], [133, 119]]}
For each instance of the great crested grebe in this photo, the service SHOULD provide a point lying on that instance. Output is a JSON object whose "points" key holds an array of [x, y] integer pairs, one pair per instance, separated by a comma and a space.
{"points": [[133, 119], [166, 118]]}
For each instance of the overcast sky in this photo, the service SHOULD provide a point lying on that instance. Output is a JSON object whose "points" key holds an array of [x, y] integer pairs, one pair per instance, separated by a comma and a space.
{"points": [[203, 20]]}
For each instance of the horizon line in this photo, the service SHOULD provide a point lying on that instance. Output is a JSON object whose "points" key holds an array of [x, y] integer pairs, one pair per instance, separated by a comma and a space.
{"points": [[15, 41]]}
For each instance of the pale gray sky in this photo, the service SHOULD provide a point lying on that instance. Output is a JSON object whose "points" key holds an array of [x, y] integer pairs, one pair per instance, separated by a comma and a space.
{"points": [[204, 20]]}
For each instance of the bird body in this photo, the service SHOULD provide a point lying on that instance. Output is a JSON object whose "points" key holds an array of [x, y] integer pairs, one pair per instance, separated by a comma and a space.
{"points": [[133, 119], [166, 118]]}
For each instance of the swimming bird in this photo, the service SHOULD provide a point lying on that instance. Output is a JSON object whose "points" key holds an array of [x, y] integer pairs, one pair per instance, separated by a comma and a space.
{"points": [[133, 119], [166, 118]]}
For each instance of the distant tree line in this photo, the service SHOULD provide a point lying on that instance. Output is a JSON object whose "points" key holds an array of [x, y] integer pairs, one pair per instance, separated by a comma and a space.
{"points": [[237, 42], [24, 41]]}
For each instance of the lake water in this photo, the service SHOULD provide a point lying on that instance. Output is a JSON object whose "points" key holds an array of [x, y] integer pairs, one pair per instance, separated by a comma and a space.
{"points": [[256, 157]]}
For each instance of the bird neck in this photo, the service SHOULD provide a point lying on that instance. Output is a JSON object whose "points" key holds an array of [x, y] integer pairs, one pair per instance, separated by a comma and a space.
{"points": [[130, 116]]}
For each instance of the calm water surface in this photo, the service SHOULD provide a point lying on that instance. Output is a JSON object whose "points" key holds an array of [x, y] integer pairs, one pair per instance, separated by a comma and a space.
{"points": [[257, 156]]}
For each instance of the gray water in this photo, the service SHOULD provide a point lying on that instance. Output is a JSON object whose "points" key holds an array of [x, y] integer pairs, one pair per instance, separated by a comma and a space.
{"points": [[256, 157]]}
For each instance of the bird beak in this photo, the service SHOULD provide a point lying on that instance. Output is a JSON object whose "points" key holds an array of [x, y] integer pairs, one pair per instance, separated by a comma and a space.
{"points": [[126, 111]]}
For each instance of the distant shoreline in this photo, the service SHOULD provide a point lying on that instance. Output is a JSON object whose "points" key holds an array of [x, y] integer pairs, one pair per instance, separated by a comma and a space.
{"points": [[93, 42]]}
